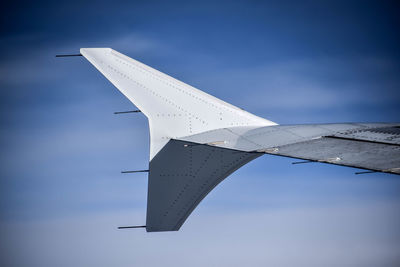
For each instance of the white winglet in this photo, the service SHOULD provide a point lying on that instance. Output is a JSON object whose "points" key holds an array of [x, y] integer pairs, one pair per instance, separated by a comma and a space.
{"points": [[174, 109]]}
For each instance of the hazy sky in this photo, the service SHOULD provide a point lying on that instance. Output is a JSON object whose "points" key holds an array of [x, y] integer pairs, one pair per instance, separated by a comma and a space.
{"points": [[62, 149]]}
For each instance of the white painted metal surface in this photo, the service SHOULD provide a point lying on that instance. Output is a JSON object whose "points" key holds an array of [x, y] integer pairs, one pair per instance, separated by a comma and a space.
{"points": [[174, 109]]}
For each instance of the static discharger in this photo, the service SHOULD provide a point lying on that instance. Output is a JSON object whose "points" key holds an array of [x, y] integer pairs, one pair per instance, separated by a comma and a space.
{"points": [[70, 55], [365, 172], [132, 227], [135, 171], [129, 111], [302, 162]]}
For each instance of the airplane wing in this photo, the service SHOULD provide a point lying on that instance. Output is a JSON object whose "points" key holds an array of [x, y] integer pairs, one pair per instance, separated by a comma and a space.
{"points": [[370, 146], [197, 140], [186, 170], [374, 149]]}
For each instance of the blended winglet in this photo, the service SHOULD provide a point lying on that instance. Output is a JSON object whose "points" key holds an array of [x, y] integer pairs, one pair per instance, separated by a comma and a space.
{"points": [[174, 109]]}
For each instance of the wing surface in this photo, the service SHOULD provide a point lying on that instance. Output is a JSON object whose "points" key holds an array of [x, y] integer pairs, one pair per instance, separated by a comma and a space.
{"points": [[371, 146], [186, 170], [173, 108], [181, 175]]}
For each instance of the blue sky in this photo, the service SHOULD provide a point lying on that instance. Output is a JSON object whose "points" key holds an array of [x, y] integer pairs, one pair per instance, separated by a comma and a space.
{"points": [[62, 194]]}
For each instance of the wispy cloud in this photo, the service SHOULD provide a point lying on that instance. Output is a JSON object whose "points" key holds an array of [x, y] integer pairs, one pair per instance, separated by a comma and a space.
{"points": [[313, 83]]}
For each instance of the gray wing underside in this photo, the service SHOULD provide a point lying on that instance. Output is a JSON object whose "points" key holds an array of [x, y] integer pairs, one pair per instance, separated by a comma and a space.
{"points": [[374, 146], [373, 156], [186, 170], [181, 175], [376, 149]]}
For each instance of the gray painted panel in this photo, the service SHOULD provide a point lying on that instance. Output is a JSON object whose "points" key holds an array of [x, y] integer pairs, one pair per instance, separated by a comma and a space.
{"points": [[364, 145], [181, 175], [252, 139], [389, 135], [360, 154]]}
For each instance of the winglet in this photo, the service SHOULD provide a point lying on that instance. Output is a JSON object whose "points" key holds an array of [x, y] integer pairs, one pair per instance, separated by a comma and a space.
{"points": [[174, 109]]}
